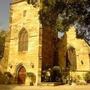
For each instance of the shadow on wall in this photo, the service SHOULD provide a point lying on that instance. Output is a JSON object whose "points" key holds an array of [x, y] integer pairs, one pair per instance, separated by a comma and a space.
{"points": [[66, 58], [2, 43], [67, 54], [62, 48]]}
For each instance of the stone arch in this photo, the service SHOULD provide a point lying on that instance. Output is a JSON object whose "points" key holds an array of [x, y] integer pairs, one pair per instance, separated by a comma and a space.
{"points": [[71, 58], [23, 40], [20, 73]]}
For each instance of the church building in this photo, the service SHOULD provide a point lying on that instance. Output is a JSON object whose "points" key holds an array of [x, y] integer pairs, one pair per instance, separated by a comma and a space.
{"points": [[74, 55], [29, 46]]}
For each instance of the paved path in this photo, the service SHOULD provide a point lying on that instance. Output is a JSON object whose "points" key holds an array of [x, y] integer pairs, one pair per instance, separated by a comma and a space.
{"points": [[64, 87]]}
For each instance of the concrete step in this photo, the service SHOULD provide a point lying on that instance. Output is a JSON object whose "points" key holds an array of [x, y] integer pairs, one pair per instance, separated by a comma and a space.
{"points": [[50, 83]]}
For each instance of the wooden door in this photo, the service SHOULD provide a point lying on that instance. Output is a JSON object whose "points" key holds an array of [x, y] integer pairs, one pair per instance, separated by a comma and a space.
{"points": [[21, 75]]}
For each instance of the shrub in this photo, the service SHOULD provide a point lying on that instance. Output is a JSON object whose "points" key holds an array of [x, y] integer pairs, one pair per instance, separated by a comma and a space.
{"points": [[87, 77], [6, 78], [1, 78]]}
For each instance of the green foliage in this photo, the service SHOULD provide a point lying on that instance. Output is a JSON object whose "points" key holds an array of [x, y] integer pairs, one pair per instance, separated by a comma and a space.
{"points": [[7, 78], [32, 77], [61, 14], [87, 77], [69, 10], [61, 24], [47, 15]]}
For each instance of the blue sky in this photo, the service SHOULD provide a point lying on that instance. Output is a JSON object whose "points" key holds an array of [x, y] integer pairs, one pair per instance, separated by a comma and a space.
{"points": [[4, 14]]}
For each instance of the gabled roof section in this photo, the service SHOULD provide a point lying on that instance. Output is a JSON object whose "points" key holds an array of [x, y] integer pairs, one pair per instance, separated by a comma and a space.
{"points": [[16, 1]]}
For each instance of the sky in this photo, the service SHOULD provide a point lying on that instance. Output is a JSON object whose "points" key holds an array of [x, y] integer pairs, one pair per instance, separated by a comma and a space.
{"points": [[4, 14]]}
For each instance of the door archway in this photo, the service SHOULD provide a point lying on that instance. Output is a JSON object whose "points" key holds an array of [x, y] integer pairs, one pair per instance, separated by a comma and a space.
{"points": [[21, 75]]}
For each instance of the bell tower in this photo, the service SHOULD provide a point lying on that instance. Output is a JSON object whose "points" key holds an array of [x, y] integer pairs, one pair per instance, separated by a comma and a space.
{"points": [[29, 47], [23, 45], [28, 1]]}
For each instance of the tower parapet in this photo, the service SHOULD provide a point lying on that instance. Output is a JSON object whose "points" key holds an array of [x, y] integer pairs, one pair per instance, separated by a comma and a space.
{"points": [[33, 2]]}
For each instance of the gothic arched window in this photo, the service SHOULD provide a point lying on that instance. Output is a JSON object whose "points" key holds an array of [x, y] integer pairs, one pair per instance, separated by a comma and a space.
{"points": [[23, 40], [71, 58]]}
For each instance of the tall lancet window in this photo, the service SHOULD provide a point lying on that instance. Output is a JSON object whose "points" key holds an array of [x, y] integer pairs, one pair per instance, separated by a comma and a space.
{"points": [[23, 40]]}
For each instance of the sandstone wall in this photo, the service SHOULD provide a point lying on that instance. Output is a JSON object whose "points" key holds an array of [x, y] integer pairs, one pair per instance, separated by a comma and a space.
{"points": [[62, 48], [82, 50], [79, 56], [25, 16]]}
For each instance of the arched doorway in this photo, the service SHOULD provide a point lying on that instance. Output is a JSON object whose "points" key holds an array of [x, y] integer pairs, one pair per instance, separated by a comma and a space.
{"points": [[71, 58], [70, 63], [21, 75]]}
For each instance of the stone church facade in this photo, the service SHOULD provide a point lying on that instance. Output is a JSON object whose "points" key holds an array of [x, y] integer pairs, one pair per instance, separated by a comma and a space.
{"points": [[74, 54], [29, 47]]}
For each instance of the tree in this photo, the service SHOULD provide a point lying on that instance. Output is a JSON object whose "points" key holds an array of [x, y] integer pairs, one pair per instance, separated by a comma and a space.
{"points": [[60, 14]]}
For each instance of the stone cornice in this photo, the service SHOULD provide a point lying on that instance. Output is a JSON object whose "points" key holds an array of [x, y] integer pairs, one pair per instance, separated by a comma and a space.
{"points": [[16, 1]]}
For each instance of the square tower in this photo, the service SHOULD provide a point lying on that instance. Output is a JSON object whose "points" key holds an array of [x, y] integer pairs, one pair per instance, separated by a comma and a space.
{"points": [[29, 46], [23, 57]]}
